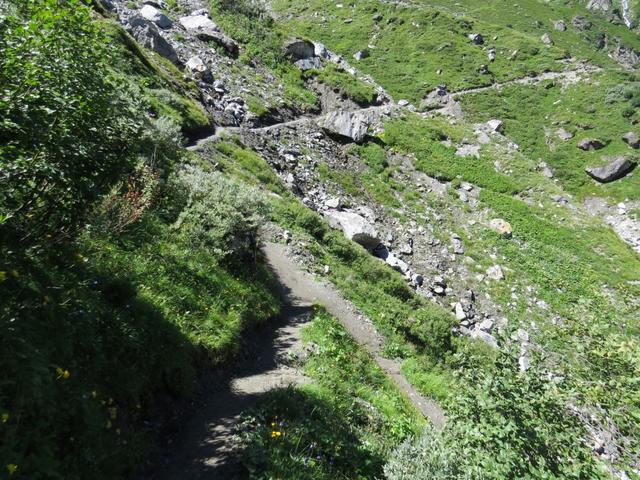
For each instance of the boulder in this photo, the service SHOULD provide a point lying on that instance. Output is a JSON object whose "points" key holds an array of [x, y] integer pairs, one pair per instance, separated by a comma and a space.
{"points": [[631, 139], [230, 45], [197, 68], [459, 312], [599, 5], [334, 203], [485, 337], [154, 15], [617, 168], [501, 226], [352, 125], [560, 25], [147, 34], [564, 134], [495, 272], [546, 39], [313, 63], [495, 125], [198, 23], [396, 263], [299, 49], [361, 54], [476, 38], [590, 144], [355, 227], [581, 23]]}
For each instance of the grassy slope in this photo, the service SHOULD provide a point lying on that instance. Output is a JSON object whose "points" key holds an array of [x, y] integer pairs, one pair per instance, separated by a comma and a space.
{"points": [[418, 40], [532, 115]]}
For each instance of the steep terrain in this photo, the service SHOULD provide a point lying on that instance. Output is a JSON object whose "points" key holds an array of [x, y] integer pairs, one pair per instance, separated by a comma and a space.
{"points": [[459, 178]]}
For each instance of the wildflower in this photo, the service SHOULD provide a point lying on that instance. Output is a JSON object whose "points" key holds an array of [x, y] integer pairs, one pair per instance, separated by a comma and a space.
{"points": [[12, 467], [276, 434], [62, 373], [5, 417], [94, 394]]}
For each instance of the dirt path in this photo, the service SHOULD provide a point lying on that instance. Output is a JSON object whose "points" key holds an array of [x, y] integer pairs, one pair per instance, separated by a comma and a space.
{"points": [[205, 447], [305, 287], [568, 77]]}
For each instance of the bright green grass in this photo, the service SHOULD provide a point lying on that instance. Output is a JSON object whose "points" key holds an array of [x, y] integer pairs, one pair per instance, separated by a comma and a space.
{"points": [[415, 43], [532, 115], [343, 425]]}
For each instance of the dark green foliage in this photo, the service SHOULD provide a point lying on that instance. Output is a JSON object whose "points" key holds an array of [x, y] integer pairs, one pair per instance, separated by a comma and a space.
{"points": [[67, 131]]}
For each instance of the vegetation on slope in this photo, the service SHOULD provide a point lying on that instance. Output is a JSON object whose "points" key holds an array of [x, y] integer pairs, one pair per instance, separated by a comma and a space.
{"points": [[343, 425], [107, 300]]}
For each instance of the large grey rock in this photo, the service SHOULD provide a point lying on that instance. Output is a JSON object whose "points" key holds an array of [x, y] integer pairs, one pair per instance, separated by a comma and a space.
{"points": [[198, 23], [546, 39], [352, 125], [147, 34], [590, 144], [617, 168], [313, 63], [299, 49], [601, 5], [631, 139], [355, 227], [154, 15]]}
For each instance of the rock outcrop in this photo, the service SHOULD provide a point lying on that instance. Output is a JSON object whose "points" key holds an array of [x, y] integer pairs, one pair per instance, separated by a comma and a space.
{"points": [[355, 227], [617, 168], [346, 124]]}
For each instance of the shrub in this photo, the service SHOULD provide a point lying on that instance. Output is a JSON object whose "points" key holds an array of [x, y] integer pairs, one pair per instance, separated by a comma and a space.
{"points": [[426, 458], [66, 129], [220, 213]]}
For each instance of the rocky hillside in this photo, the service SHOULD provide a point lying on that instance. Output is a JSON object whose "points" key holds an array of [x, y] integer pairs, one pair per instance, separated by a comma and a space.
{"points": [[453, 181]]}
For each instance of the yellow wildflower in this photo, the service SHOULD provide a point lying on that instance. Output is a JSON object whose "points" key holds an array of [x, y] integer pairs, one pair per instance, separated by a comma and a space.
{"points": [[94, 394], [62, 373], [12, 467], [275, 434], [5, 417]]}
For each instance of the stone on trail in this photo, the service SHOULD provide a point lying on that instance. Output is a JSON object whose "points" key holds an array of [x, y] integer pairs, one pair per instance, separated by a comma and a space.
{"points": [[355, 227], [617, 168], [352, 125]]}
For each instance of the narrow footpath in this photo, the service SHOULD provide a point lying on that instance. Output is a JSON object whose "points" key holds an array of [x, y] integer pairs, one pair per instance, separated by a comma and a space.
{"points": [[204, 447]]}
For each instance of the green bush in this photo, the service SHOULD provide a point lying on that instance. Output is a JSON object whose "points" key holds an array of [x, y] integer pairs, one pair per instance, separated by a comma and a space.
{"points": [[67, 131], [220, 214]]}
